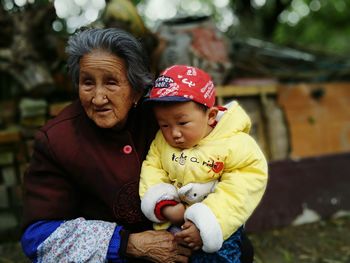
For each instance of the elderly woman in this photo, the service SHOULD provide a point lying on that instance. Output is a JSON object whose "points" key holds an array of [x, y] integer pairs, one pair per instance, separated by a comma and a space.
{"points": [[81, 200]]}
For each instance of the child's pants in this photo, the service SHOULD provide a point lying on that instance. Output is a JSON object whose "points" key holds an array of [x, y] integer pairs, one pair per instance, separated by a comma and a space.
{"points": [[229, 252]]}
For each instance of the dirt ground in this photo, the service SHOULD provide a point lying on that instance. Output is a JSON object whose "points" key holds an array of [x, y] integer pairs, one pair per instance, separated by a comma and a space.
{"points": [[322, 242]]}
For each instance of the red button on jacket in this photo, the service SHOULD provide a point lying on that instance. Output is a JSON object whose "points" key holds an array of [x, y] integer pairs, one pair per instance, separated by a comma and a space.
{"points": [[127, 149]]}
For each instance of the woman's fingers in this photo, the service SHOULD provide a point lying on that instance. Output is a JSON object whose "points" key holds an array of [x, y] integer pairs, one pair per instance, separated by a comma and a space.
{"points": [[185, 251], [181, 259], [157, 246], [183, 254]]}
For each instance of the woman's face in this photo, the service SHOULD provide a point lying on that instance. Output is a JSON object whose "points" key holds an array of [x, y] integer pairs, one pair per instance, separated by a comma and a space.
{"points": [[104, 90]]}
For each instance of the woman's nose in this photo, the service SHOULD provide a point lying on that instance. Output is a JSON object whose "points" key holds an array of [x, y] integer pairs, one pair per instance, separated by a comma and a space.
{"points": [[99, 98]]}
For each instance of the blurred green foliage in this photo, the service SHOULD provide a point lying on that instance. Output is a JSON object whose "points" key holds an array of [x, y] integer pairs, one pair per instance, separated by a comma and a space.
{"points": [[319, 25], [327, 29]]}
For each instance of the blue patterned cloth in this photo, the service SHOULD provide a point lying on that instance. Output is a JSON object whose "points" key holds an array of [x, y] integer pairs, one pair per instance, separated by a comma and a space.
{"points": [[229, 252]]}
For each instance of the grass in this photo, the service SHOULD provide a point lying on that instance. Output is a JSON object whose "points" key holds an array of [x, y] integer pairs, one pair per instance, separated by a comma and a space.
{"points": [[321, 242]]}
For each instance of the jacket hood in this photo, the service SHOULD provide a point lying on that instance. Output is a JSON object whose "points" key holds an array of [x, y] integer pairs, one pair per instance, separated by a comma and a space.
{"points": [[231, 121]]}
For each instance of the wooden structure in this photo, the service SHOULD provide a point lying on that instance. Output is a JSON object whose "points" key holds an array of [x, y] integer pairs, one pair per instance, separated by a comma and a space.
{"points": [[230, 91], [318, 117], [258, 98], [12, 164]]}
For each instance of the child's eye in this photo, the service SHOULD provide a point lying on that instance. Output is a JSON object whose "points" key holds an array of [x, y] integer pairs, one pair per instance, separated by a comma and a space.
{"points": [[183, 123], [164, 125]]}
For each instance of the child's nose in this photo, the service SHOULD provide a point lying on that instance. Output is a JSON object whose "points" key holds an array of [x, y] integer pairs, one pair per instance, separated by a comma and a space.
{"points": [[176, 133]]}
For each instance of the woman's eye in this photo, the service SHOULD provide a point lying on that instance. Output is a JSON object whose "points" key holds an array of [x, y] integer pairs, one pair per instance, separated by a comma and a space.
{"points": [[183, 123], [86, 84], [112, 82]]}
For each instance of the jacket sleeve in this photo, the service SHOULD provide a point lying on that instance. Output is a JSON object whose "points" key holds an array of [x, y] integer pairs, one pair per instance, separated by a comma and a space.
{"points": [[155, 187], [238, 192], [77, 240]]}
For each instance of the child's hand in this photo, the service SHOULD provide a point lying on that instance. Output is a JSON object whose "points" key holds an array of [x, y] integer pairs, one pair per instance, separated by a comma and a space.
{"points": [[175, 214], [190, 234]]}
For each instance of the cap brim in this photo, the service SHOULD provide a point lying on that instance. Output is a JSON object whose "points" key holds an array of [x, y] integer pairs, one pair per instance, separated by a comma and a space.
{"points": [[167, 99]]}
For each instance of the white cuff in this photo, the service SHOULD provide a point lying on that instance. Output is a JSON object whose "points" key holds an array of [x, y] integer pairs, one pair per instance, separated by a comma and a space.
{"points": [[154, 195], [209, 227]]}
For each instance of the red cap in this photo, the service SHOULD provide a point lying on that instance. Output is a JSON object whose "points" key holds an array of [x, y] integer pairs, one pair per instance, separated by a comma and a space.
{"points": [[184, 83]]}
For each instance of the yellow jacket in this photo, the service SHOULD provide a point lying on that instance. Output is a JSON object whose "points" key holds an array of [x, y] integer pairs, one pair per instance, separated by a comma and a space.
{"points": [[230, 156]]}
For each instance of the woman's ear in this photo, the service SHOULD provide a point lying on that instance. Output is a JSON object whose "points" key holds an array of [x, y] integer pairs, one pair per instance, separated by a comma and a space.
{"points": [[212, 112], [137, 97]]}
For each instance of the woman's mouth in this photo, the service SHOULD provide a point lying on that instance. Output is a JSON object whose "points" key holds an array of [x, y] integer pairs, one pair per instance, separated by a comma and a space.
{"points": [[102, 110]]}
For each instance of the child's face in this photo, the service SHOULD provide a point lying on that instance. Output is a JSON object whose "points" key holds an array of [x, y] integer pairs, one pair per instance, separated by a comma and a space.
{"points": [[184, 124]]}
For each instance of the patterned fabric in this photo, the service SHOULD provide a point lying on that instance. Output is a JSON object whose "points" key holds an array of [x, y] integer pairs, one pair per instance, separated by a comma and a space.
{"points": [[229, 252], [36, 234], [77, 241]]}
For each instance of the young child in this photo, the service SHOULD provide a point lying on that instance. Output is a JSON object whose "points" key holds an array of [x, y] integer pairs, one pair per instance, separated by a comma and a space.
{"points": [[203, 170]]}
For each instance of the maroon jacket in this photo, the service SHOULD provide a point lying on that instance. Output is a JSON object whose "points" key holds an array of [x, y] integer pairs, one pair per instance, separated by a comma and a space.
{"points": [[80, 170]]}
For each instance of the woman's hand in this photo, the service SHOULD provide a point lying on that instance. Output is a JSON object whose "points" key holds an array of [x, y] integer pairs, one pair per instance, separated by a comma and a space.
{"points": [[190, 235], [174, 213], [157, 246]]}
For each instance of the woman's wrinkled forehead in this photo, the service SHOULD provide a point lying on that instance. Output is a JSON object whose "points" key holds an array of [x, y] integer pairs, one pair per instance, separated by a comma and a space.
{"points": [[103, 60]]}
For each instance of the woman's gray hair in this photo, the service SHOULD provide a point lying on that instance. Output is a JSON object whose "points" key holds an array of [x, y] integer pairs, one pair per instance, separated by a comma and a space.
{"points": [[117, 42]]}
